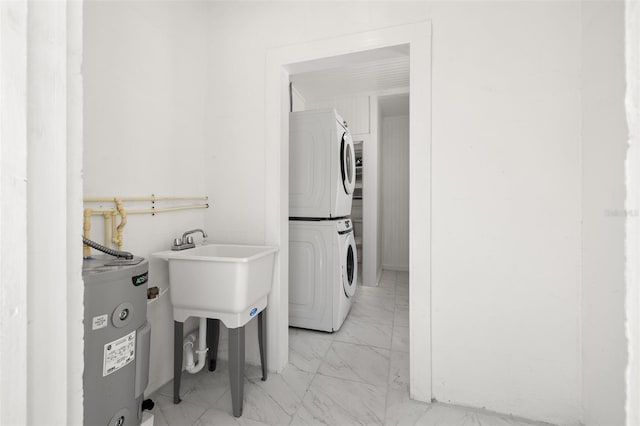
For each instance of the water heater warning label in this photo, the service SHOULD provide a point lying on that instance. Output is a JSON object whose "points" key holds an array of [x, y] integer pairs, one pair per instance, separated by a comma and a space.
{"points": [[99, 322], [119, 353]]}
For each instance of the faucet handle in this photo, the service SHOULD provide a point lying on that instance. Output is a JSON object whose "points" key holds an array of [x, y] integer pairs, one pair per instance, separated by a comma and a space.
{"points": [[186, 242]]}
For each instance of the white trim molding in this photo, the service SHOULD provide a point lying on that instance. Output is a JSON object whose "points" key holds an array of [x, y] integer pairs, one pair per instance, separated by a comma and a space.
{"points": [[41, 288], [287, 60], [13, 213], [632, 103]]}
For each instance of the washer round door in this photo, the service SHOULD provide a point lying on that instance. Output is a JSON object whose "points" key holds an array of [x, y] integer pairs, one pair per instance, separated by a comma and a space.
{"points": [[350, 265], [347, 163]]}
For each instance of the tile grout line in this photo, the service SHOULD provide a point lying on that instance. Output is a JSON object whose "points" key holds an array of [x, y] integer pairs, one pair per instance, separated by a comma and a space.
{"points": [[313, 377], [365, 344], [346, 379], [203, 413]]}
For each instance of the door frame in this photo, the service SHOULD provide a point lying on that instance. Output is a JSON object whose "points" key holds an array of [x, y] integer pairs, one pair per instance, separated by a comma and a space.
{"points": [[41, 212], [281, 63]]}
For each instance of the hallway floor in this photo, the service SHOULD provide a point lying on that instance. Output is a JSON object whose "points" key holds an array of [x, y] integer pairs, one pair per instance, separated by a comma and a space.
{"points": [[358, 375]]}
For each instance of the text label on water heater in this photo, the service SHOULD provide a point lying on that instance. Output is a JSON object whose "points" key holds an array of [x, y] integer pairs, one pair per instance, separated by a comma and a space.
{"points": [[99, 322], [140, 279], [119, 353]]}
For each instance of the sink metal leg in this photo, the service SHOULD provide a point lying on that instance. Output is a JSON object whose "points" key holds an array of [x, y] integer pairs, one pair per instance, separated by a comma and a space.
{"points": [[177, 359], [213, 336], [262, 341], [236, 369]]}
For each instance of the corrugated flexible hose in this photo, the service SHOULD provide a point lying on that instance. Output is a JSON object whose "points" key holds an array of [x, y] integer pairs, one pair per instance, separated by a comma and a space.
{"points": [[112, 252]]}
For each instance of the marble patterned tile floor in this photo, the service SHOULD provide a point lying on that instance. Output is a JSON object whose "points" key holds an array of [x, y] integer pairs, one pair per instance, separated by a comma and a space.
{"points": [[358, 375]]}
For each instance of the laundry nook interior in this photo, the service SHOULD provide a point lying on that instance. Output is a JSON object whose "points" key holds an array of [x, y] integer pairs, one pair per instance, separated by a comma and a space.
{"points": [[338, 213]]}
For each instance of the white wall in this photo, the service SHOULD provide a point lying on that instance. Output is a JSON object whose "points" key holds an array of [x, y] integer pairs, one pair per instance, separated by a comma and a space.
{"points": [[506, 181], [632, 103], [13, 213], [378, 229], [506, 209], [395, 192], [74, 146], [145, 91], [603, 213], [54, 187]]}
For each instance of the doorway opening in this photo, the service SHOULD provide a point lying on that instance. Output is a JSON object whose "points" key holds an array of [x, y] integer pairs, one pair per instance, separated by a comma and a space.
{"points": [[282, 63]]}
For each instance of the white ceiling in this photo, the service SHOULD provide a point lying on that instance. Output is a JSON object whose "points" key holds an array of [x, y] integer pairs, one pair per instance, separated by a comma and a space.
{"points": [[377, 70]]}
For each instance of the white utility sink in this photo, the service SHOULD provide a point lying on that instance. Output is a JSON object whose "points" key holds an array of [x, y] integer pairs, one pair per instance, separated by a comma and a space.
{"points": [[223, 281]]}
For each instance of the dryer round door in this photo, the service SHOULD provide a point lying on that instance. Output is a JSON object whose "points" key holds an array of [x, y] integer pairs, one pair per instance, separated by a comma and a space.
{"points": [[349, 265], [347, 163]]}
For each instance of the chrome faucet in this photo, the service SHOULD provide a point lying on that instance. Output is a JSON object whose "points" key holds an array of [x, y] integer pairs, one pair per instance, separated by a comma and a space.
{"points": [[193, 231], [186, 242]]}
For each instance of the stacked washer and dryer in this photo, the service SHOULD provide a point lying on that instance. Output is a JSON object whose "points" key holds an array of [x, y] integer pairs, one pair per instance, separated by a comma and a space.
{"points": [[323, 260]]}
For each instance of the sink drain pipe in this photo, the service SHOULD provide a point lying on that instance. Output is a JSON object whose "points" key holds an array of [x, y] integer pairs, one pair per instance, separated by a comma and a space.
{"points": [[189, 348]]}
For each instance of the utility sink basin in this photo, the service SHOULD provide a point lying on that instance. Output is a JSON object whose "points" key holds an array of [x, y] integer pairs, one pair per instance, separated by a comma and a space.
{"points": [[222, 281]]}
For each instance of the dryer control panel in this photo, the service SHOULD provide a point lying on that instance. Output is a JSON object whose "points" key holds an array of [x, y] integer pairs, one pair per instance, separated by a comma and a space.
{"points": [[344, 226]]}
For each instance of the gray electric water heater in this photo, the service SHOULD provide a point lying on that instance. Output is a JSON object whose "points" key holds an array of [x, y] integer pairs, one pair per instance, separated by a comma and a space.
{"points": [[116, 340]]}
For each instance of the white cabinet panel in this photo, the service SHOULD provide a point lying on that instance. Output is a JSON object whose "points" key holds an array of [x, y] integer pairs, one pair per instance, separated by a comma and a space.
{"points": [[395, 193], [297, 100], [353, 109]]}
